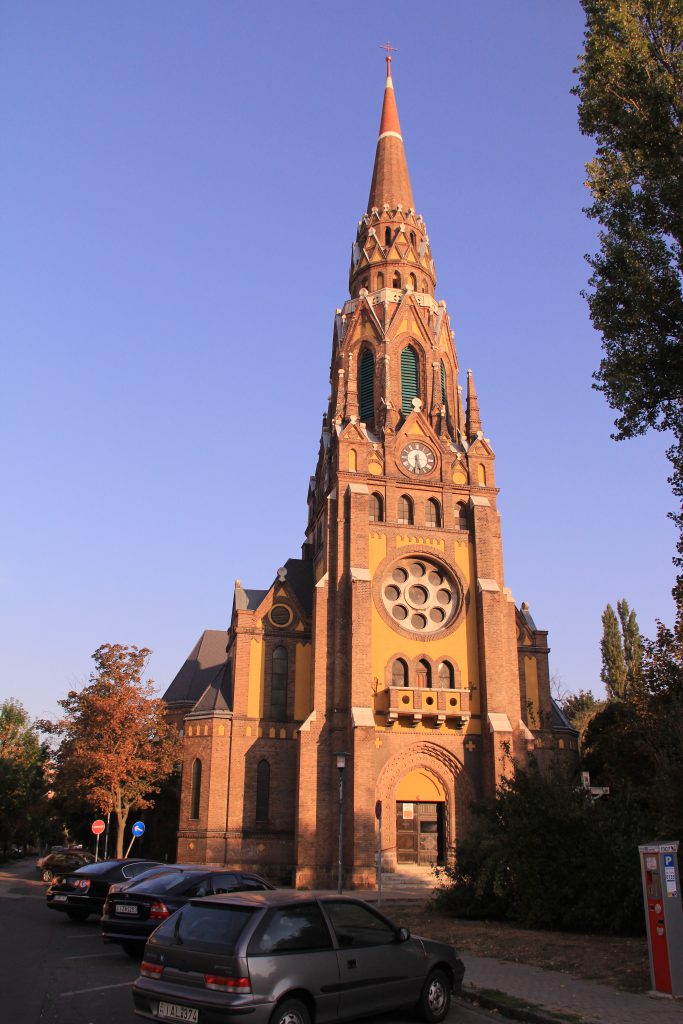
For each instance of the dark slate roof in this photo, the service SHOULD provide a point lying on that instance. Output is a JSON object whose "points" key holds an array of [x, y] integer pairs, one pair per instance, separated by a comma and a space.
{"points": [[559, 719], [217, 696], [300, 579], [247, 599], [205, 664]]}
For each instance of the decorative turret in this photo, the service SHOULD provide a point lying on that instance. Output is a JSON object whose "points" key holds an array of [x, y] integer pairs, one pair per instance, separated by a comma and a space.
{"points": [[473, 423]]}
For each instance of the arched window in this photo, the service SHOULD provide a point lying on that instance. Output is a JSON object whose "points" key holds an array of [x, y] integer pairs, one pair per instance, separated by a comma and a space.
{"points": [[423, 675], [396, 282], [387, 237], [481, 475], [446, 675], [410, 378], [364, 283], [353, 460], [196, 788], [399, 673], [433, 513], [278, 684], [380, 280], [425, 286], [462, 518], [262, 791], [412, 238], [366, 386], [376, 508], [405, 511], [413, 282]]}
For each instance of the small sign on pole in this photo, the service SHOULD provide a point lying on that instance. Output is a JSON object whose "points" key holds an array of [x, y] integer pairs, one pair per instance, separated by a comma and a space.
{"points": [[138, 829], [97, 828]]}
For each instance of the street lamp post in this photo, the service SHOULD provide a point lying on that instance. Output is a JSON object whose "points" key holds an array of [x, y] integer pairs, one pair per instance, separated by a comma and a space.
{"points": [[341, 756]]}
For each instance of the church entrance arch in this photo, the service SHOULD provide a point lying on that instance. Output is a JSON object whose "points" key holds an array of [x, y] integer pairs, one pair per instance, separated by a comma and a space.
{"points": [[426, 795]]}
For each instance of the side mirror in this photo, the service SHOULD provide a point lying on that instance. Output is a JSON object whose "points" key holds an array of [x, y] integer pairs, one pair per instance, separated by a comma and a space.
{"points": [[403, 934]]}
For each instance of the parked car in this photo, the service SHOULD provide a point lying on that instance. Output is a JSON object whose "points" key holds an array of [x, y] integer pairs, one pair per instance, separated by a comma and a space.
{"points": [[83, 892], [130, 915], [290, 958], [64, 860]]}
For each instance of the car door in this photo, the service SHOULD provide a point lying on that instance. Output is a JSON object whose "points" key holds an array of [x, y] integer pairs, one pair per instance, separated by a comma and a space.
{"points": [[376, 970], [292, 949]]}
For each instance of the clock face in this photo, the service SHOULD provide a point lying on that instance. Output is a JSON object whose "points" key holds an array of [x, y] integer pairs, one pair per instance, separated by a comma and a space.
{"points": [[418, 458]]}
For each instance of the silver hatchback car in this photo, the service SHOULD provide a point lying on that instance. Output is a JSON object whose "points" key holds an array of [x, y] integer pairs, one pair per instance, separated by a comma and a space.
{"points": [[287, 957]]}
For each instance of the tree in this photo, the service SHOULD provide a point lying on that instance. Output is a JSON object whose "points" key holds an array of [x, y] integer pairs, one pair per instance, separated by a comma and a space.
{"points": [[630, 93], [22, 767], [622, 651], [116, 745], [613, 672], [580, 708]]}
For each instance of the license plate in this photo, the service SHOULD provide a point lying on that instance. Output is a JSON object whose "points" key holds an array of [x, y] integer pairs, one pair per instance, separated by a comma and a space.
{"points": [[59, 899], [127, 908], [172, 1011]]}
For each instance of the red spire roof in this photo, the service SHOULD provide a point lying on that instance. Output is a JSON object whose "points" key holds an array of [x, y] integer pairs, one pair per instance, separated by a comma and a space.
{"points": [[390, 179]]}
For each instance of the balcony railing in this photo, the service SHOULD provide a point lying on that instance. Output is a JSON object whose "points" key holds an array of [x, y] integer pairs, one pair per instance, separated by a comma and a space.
{"points": [[417, 704]]}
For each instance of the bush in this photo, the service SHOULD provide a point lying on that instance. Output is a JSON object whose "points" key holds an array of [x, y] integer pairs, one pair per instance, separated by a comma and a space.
{"points": [[544, 855]]}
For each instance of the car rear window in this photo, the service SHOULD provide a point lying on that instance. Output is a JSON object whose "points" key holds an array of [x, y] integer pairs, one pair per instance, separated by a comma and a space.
{"points": [[162, 882], [207, 927]]}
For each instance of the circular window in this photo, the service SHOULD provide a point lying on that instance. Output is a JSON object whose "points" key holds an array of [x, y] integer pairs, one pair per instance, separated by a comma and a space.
{"points": [[280, 615], [421, 596]]}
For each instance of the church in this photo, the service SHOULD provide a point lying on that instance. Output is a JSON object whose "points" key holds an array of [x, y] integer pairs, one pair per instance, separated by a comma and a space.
{"points": [[392, 645]]}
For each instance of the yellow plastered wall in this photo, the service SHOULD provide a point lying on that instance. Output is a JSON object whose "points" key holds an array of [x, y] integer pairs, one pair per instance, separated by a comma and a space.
{"points": [[531, 676], [419, 786], [257, 679], [461, 646], [302, 681]]}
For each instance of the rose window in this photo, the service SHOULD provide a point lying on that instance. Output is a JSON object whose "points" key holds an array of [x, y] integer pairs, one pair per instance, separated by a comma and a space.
{"points": [[420, 595]]}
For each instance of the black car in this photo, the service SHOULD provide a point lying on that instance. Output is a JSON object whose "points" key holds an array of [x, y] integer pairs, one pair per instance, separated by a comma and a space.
{"points": [[290, 958], [130, 915], [63, 860], [83, 892]]}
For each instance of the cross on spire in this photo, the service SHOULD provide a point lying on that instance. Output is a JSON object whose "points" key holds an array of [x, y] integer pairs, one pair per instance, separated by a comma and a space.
{"points": [[388, 47]]}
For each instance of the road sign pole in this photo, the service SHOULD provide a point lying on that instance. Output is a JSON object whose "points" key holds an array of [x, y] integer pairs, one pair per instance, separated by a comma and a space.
{"points": [[97, 847], [133, 838]]}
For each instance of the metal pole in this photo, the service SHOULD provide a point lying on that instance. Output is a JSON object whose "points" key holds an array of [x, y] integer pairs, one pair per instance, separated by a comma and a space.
{"points": [[341, 829], [97, 846], [379, 863], [106, 837]]}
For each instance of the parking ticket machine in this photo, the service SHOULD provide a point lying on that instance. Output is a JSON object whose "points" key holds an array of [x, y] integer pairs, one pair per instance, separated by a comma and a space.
{"points": [[664, 916]]}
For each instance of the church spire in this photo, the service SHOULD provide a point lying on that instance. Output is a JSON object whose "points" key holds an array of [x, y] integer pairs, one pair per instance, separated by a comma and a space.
{"points": [[473, 425], [390, 179]]}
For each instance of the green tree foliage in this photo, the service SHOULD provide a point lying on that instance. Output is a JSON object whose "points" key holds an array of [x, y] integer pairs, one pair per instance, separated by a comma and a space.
{"points": [[613, 672], [580, 709], [503, 871], [116, 745], [630, 93], [22, 775], [622, 651]]}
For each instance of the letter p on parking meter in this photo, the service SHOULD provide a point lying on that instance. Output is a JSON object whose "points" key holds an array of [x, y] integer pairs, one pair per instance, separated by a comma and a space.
{"points": [[663, 915]]}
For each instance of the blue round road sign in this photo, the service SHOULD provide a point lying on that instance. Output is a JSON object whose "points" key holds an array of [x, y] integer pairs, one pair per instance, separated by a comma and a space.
{"points": [[138, 828]]}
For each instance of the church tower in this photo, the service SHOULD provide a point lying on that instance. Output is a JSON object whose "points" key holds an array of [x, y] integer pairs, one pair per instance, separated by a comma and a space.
{"points": [[393, 640]]}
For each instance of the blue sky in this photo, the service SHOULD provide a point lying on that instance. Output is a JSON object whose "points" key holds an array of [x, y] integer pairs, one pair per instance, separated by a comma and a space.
{"points": [[180, 186]]}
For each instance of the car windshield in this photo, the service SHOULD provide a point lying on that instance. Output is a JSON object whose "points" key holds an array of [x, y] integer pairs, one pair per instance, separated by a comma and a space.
{"points": [[207, 927]]}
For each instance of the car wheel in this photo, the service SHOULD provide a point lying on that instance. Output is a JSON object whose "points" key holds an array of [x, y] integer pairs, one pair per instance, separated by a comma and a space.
{"points": [[47, 875], [435, 998], [77, 915], [133, 949], [290, 1011]]}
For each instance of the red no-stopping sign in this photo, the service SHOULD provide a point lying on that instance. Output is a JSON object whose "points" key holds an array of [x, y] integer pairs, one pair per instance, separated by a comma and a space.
{"points": [[98, 827]]}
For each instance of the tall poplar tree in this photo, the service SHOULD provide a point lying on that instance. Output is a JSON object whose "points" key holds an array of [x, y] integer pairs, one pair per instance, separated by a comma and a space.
{"points": [[613, 673], [630, 93]]}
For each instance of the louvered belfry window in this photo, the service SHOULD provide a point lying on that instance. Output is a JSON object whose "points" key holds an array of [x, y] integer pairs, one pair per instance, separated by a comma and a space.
{"points": [[444, 392], [366, 387], [410, 378]]}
